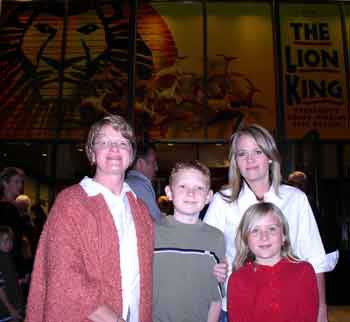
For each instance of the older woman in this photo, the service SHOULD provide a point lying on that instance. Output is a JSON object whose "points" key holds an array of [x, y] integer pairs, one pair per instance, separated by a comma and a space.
{"points": [[94, 260], [254, 176]]}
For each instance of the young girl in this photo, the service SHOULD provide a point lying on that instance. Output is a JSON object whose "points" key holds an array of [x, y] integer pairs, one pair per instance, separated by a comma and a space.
{"points": [[269, 283]]}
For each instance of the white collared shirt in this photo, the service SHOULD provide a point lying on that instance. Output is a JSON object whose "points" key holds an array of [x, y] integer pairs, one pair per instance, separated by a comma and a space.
{"points": [[129, 262], [305, 238]]}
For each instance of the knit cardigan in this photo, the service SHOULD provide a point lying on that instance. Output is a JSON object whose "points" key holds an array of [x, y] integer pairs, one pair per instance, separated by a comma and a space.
{"points": [[77, 264]]}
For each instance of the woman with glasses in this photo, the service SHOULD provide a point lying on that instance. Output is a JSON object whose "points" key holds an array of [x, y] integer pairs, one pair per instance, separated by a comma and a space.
{"points": [[255, 176], [94, 260]]}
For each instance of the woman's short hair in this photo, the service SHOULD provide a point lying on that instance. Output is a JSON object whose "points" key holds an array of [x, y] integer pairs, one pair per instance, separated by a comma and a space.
{"points": [[267, 144], [249, 219], [119, 124]]}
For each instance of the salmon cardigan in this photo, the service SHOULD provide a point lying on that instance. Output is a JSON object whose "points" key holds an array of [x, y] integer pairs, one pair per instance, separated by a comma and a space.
{"points": [[77, 265]]}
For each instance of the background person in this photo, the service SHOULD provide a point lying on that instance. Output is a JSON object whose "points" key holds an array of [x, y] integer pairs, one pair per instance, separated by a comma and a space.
{"points": [[254, 176], [269, 283], [11, 301], [94, 259], [11, 186], [140, 177]]}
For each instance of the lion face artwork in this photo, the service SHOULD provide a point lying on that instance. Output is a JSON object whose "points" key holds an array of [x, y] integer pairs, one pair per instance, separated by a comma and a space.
{"points": [[53, 59]]}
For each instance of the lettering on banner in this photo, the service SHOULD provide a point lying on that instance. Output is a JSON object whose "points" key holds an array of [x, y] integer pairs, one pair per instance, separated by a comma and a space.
{"points": [[313, 78]]}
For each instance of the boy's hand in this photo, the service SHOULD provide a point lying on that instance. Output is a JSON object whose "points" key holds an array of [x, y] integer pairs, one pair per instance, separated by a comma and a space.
{"points": [[220, 271]]}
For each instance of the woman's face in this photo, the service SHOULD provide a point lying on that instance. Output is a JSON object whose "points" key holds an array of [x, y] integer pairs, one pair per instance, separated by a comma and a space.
{"points": [[112, 153], [253, 164]]}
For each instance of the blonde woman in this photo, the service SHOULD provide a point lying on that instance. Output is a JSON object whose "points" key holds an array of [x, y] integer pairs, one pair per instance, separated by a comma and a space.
{"points": [[254, 176], [269, 283]]}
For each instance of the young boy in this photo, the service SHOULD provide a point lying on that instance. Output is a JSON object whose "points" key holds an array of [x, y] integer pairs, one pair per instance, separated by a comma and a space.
{"points": [[186, 250], [10, 294]]}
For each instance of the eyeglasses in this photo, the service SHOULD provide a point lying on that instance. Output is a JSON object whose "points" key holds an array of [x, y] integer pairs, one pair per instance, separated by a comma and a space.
{"points": [[105, 144], [243, 154]]}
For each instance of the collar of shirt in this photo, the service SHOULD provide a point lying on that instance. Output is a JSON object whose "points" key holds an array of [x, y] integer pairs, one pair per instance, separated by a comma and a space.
{"points": [[247, 197], [93, 188]]}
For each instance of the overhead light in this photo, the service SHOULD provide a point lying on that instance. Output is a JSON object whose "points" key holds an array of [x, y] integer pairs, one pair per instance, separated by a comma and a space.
{"points": [[44, 155]]}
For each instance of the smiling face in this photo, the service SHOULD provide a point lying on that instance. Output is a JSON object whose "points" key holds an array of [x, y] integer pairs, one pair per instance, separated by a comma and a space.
{"points": [[112, 153], [189, 191], [253, 164], [265, 239]]}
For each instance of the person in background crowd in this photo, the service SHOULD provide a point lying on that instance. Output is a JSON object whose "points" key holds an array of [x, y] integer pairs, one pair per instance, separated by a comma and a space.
{"points": [[186, 250], [39, 218], [165, 205], [94, 259], [11, 186], [11, 302], [139, 178], [255, 176], [269, 282]]}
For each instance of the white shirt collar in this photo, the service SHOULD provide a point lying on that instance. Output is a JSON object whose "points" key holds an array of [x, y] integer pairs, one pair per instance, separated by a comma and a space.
{"points": [[247, 196], [93, 188]]}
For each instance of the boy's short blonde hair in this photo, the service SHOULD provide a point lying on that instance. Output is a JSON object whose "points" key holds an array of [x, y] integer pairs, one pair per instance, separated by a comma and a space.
{"points": [[196, 165]]}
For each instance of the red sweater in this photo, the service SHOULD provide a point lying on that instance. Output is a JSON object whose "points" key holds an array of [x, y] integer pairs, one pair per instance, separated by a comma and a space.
{"points": [[285, 292], [77, 262]]}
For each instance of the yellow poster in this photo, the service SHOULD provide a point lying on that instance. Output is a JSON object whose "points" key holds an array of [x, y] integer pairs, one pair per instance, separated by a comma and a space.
{"points": [[241, 78], [315, 95]]}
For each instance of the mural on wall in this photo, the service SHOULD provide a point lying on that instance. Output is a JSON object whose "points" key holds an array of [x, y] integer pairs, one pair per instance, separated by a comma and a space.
{"points": [[58, 76], [241, 67], [239, 88], [316, 96]]}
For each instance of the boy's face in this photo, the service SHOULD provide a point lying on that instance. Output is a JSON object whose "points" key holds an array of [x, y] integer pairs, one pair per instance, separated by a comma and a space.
{"points": [[6, 244], [189, 192]]}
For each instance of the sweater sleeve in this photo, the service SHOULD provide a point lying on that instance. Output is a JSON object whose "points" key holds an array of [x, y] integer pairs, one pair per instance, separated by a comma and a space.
{"points": [[62, 288], [308, 295], [239, 298]]}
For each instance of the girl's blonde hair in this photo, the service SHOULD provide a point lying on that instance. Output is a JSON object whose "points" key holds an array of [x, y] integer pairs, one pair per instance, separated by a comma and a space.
{"points": [[267, 144], [250, 217]]}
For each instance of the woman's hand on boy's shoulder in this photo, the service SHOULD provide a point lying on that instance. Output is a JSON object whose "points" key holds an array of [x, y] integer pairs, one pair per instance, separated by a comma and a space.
{"points": [[220, 271]]}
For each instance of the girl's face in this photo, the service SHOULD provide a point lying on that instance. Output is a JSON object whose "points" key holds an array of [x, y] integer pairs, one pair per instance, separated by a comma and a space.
{"points": [[265, 239], [253, 164]]}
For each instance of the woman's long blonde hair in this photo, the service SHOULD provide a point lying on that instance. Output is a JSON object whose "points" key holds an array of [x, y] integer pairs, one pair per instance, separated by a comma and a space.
{"points": [[250, 217], [267, 144]]}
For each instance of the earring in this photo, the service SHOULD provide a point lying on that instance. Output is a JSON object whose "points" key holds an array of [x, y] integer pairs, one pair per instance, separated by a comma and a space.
{"points": [[270, 161]]}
